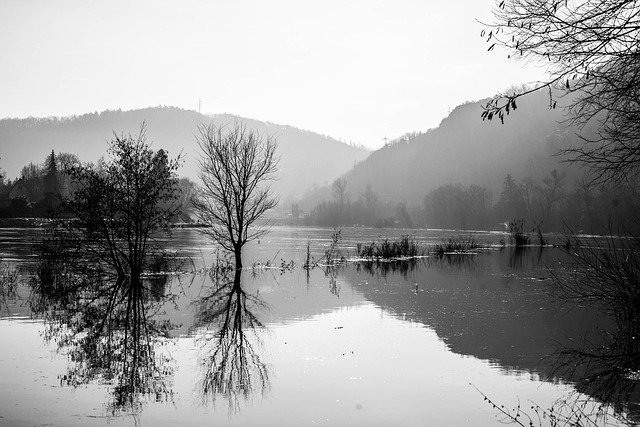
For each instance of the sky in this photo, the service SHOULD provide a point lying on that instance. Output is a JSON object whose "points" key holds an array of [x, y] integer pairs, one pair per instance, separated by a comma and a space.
{"points": [[356, 70]]}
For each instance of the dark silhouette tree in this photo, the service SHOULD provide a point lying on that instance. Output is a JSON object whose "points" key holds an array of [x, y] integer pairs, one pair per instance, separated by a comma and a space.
{"points": [[31, 176], [118, 209], [591, 48], [51, 182], [235, 165], [65, 161]]}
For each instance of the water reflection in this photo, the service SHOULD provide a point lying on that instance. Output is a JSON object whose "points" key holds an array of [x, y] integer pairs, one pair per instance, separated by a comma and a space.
{"points": [[491, 306], [9, 280], [608, 371], [523, 257], [383, 268], [112, 333], [522, 326], [605, 364], [228, 329]]}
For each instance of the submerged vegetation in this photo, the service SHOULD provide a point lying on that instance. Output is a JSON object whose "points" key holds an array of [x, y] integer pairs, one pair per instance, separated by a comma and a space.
{"points": [[517, 232], [9, 280], [456, 245], [404, 247]]}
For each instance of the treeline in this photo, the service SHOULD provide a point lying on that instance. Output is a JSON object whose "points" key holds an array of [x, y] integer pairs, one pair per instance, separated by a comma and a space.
{"points": [[40, 187], [364, 209], [551, 204]]}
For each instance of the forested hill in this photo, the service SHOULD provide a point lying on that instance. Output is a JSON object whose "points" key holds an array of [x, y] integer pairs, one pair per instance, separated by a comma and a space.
{"points": [[306, 157], [465, 149]]}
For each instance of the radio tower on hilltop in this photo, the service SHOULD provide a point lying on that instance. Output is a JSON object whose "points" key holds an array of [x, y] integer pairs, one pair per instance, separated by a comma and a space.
{"points": [[199, 105]]}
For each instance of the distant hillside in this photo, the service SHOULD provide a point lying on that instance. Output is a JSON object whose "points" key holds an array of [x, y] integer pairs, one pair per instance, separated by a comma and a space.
{"points": [[306, 157], [464, 149]]}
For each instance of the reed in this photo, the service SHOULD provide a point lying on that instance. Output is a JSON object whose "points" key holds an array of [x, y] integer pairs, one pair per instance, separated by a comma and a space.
{"points": [[404, 247]]}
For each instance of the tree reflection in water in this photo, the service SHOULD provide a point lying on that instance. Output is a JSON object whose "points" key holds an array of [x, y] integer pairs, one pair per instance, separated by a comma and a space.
{"points": [[228, 331], [523, 257], [111, 332], [607, 368], [605, 362]]}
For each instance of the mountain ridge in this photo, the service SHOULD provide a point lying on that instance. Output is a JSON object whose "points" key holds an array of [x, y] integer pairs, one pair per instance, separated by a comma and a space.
{"points": [[306, 157], [467, 150]]}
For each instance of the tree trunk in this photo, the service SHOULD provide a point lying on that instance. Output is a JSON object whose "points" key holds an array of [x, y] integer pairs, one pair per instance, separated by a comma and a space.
{"points": [[135, 276], [238, 256]]}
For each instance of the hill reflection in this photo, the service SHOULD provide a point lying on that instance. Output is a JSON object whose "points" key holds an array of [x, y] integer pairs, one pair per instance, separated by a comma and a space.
{"points": [[499, 307]]}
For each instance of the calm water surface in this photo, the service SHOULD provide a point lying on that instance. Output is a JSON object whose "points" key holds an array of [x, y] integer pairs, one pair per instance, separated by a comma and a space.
{"points": [[393, 344]]}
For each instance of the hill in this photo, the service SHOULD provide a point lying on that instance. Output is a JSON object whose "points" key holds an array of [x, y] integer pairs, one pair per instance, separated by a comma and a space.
{"points": [[467, 150], [306, 157]]}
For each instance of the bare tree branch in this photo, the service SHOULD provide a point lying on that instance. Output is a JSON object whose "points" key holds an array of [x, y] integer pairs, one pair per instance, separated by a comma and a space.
{"points": [[235, 164], [591, 51]]}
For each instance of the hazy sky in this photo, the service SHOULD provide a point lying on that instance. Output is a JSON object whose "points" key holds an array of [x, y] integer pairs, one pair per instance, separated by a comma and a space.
{"points": [[354, 70]]}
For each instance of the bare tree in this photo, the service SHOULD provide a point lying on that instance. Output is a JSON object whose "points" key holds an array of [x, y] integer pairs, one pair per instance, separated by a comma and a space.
{"points": [[591, 49], [339, 188], [235, 165], [552, 192]]}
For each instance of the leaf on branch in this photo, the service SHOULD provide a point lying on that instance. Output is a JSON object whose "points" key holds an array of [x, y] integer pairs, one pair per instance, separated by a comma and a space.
{"points": [[501, 5], [491, 47]]}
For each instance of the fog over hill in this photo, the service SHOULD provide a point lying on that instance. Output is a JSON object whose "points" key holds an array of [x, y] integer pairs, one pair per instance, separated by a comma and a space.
{"points": [[306, 157], [465, 149]]}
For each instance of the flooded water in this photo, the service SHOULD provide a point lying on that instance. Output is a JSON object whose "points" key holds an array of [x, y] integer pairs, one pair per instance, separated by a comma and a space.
{"points": [[393, 343]]}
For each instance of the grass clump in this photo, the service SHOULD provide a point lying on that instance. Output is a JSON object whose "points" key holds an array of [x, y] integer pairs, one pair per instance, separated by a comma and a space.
{"points": [[404, 247], [455, 245], [518, 235]]}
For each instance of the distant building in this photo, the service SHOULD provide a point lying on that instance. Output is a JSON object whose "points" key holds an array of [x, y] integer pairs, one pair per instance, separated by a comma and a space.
{"points": [[18, 190]]}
